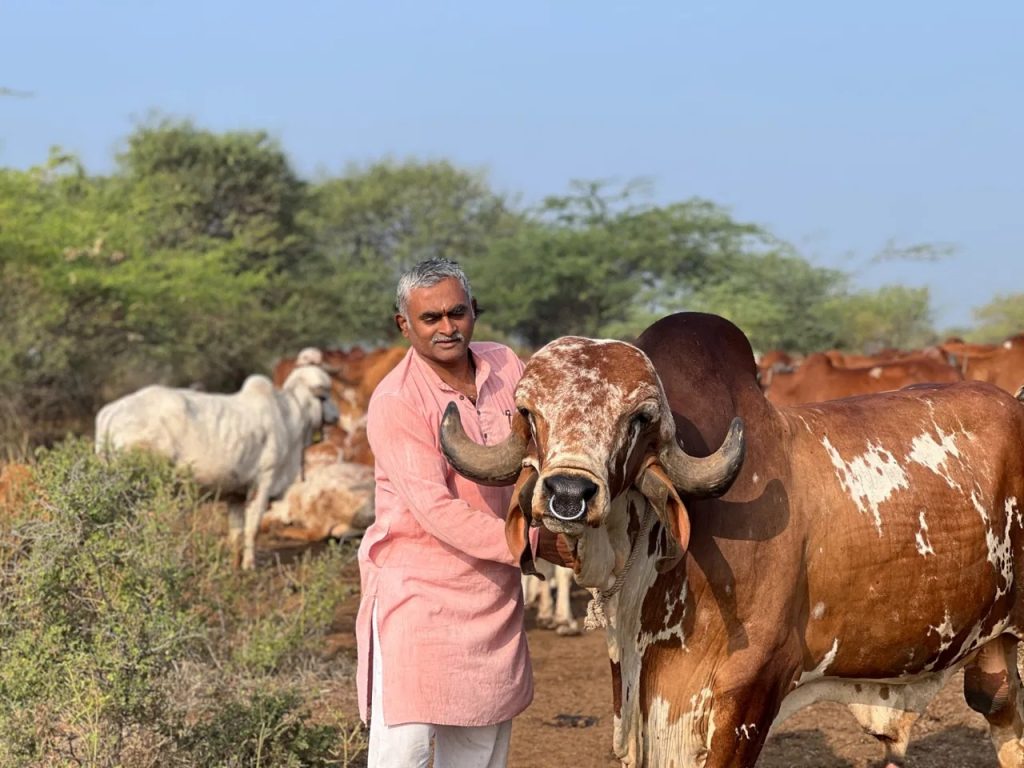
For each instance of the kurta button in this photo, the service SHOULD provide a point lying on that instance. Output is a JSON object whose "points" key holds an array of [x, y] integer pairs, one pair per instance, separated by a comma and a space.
{"points": [[462, 397]]}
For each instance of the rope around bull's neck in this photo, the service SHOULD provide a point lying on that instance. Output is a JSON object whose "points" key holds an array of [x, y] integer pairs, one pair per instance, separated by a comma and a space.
{"points": [[595, 608]]}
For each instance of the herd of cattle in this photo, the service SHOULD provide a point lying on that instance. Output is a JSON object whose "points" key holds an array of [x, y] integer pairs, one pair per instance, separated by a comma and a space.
{"points": [[833, 374], [765, 566]]}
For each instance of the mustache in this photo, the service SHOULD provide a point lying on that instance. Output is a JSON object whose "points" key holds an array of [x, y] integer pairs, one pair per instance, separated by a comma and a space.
{"points": [[441, 337]]}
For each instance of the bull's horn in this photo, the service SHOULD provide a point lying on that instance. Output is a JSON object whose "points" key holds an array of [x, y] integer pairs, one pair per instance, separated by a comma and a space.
{"points": [[711, 475], [497, 464]]}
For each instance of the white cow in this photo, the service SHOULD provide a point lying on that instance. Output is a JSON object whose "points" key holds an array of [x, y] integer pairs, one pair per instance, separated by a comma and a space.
{"points": [[554, 613], [246, 446]]}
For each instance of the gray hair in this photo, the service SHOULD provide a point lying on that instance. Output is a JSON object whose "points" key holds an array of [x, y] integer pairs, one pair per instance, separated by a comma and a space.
{"points": [[426, 274]]}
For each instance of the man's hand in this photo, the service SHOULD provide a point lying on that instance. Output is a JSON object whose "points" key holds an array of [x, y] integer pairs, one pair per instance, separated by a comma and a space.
{"points": [[555, 549]]}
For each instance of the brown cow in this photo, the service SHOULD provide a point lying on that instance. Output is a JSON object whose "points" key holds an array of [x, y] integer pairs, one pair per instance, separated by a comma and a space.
{"points": [[1003, 367], [818, 379], [961, 349], [850, 360], [771, 362], [862, 551]]}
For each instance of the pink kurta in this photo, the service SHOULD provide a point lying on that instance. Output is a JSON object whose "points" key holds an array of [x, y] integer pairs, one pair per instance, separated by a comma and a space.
{"points": [[449, 603]]}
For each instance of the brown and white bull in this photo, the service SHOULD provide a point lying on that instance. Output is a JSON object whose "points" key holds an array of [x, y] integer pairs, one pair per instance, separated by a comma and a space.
{"points": [[862, 550]]}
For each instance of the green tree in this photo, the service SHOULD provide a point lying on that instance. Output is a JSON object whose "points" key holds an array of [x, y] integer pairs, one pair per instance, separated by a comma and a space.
{"points": [[375, 221], [220, 244], [63, 321], [780, 300], [546, 281], [1000, 318], [194, 189], [94, 306], [598, 262], [893, 316]]}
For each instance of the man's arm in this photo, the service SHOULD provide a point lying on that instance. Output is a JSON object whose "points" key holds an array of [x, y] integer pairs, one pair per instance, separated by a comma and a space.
{"points": [[404, 447]]}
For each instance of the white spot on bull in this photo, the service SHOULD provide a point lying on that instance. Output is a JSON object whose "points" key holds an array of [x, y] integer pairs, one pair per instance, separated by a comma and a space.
{"points": [[756, 479], [977, 637], [945, 631], [746, 731], [924, 547], [934, 453], [683, 741], [633, 437], [645, 638], [876, 372], [1000, 548], [870, 478], [818, 611], [819, 671], [979, 507]]}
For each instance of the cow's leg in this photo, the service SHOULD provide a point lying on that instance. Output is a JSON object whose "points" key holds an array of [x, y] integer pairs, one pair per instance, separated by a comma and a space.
{"points": [[545, 605], [742, 719], [253, 512], [541, 592], [890, 726], [992, 687], [564, 622], [533, 588], [236, 526], [529, 593]]}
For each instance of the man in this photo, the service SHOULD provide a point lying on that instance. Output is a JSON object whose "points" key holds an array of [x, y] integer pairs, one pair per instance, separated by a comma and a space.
{"points": [[442, 651]]}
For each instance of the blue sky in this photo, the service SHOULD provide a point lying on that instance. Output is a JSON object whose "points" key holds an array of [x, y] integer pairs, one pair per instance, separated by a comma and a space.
{"points": [[839, 126]]}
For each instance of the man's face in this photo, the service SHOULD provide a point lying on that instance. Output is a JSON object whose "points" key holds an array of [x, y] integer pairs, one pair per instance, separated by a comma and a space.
{"points": [[440, 324]]}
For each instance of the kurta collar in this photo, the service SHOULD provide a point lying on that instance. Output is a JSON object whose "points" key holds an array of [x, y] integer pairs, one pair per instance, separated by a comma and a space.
{"points": [[483, 371]]}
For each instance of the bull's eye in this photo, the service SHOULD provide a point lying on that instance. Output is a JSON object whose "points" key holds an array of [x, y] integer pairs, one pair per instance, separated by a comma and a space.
{"points": [[641, 419], [524, 412]]}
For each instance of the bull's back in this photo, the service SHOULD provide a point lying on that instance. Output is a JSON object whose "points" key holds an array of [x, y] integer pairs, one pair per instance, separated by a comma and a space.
{"points": [[910, 502]]}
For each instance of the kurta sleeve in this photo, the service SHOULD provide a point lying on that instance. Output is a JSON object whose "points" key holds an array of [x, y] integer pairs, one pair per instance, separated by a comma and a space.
{"points": [[404, 447]]}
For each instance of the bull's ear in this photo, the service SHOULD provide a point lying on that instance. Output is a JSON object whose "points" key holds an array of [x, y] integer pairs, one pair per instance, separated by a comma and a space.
{"points": [[655, 485], [517, 522]]}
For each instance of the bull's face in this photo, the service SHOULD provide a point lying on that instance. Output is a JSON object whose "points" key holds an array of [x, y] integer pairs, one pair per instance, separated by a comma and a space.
{"points": [[592, 423], [594, 411]]}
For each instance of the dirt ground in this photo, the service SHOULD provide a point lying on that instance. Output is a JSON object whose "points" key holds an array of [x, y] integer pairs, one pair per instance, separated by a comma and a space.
{"points": [[569, 723]]}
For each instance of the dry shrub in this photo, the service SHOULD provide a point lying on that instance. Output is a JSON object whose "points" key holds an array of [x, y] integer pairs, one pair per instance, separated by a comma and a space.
{"points": [[126, 640]]}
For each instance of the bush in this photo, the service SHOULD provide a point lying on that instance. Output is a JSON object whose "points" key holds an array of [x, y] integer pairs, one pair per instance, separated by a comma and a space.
{"points": [[115, 597], [270, 729]]}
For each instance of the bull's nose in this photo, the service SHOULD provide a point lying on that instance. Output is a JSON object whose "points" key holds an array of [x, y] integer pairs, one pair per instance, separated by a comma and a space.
{"points": [[568, 495]]}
